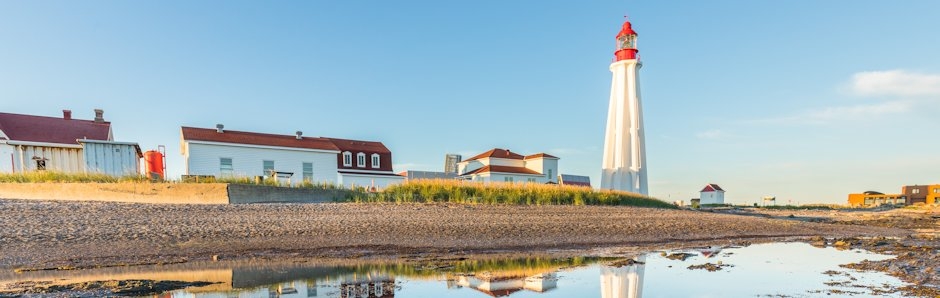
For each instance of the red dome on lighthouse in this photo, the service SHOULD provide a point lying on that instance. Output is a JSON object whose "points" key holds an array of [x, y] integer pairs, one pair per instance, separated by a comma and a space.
{"points": [[626, 30], [626, 43]]}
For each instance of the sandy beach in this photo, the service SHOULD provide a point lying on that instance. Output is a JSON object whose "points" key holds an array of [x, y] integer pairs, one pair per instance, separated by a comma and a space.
{"points": [[50, 234]]}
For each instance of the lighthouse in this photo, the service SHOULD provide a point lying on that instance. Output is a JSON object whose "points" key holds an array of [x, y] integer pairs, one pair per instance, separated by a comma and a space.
{"points": [[624, 165]]}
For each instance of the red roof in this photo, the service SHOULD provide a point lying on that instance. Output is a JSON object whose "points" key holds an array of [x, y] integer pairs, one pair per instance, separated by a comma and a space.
{"points": [[29, 128], [627, 29], [359, 146], [254, 138], [539, 155], [497, 153], [503, 169], [711, 187]]}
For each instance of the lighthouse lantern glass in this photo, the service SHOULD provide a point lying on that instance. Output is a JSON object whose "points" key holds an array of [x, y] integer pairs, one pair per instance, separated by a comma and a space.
{"points": [[626, 42]]}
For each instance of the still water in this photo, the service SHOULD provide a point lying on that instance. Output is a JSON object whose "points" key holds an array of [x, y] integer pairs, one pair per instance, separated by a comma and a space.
{"points": [[774, 270]]}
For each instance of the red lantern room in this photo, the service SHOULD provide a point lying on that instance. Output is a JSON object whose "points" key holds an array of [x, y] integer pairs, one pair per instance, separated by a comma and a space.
{"points": [[626, 43]]}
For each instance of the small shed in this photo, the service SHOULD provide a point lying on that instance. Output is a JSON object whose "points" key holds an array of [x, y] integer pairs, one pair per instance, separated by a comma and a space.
{"points": [[111, 158], [712, 194]]}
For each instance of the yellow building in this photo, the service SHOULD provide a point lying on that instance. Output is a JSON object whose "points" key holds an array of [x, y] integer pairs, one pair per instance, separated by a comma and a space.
{"points": [[874, 198], [933, 194]]}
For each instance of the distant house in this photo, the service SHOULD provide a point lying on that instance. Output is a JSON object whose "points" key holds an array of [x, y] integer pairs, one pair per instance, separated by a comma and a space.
{"points": [[874, 198], [712, 194], [915, 194], [228, 153], [40, 143], [574, 180], [502, 165]]}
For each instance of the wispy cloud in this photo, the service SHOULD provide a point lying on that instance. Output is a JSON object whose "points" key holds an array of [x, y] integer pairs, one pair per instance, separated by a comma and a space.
{"points": [[825, 115], [713, 134], [895, 83]]}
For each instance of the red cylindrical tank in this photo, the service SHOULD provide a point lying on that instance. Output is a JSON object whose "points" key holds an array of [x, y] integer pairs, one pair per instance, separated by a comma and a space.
{"points": [[154, 161]]}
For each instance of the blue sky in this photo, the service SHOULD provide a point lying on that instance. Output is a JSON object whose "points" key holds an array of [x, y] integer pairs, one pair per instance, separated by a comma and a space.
{"points": [[803, 100]]}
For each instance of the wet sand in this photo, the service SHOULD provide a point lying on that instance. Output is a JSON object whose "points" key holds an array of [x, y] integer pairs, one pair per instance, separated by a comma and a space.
{"points": [[67, 235]]}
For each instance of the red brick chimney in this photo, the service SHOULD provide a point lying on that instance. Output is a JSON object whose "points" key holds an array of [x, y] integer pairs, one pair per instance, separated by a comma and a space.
{"points": [[99, 115], [67, 114]]}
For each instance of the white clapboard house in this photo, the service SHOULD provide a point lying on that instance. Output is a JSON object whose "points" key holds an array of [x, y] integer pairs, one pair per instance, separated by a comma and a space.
{"points": [[712, 194], [62, 144], [228, 153], [502, 165]]}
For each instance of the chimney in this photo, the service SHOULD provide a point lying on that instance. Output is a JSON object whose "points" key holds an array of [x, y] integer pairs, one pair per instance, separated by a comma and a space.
{"points": [[99, 115], [219, 127], [67, 114], [300, 135]]}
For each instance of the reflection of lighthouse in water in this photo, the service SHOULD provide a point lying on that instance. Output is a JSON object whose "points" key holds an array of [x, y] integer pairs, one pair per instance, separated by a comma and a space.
{"points": [[624, 281]]}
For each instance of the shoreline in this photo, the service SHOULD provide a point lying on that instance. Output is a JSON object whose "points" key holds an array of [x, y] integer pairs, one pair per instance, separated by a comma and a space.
{"points": [[60, 236], [51, 234]]}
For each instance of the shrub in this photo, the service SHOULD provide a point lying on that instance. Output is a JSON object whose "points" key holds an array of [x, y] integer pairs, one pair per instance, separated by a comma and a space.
{"points": [[455, 191]]}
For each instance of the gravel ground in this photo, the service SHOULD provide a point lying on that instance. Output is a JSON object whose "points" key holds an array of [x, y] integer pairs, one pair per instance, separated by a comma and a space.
{"points": [[37, 234]]}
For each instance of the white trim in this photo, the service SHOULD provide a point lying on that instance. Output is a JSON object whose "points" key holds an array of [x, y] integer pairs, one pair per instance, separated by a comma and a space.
{"points": [[260, 146], [364, 171], [360, 160], [347, 154], [107, 142], [44, 144], [367, 175], [376, 160]]}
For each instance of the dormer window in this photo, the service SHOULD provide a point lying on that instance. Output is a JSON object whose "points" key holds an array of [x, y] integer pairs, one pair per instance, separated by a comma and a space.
{"points": [[361, 160], [375, 161], [347, 159]]}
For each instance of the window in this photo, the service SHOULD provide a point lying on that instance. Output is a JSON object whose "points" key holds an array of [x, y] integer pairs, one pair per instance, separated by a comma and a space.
{"points": [[268, 167], [936, 190], [549, 175], [40, 164], [347, 159], [375, 161], [225, 167], [308, 171], [361, 160], [531, 180], [916, 190], [507, 179]]}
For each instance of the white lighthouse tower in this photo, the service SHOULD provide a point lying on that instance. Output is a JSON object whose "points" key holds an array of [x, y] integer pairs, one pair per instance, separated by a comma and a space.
{"points": [[624, 149]]}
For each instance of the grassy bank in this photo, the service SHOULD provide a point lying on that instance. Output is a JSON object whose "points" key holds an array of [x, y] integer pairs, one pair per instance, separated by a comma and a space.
{"points": [[58, 177], [420, 191], [451, 191]]}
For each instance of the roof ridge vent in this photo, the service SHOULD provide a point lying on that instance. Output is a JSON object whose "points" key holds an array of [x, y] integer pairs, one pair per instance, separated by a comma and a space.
{"points": [[299, 134], [219, 128]]}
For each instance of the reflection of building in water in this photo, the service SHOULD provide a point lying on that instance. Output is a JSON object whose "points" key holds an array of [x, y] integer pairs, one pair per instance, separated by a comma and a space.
{"points": [[623, 282], [710, 251], [505, 286], [370, 289]]}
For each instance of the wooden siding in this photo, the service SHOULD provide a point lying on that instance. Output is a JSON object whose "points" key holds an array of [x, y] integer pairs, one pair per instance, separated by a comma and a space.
{"points": [[115, 159], [67, 160], [203, 159]]}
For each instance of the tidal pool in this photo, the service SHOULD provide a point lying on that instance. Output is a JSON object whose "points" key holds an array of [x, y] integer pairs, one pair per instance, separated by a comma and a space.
{"points": [[770, 270]]}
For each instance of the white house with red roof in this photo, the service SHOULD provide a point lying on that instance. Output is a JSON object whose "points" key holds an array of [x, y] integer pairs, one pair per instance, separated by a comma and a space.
{"points": [[712, 194], [63, 144], [228, 153], [502, 165]]}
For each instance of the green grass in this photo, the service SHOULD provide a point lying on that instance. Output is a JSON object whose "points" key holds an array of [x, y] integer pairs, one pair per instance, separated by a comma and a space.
{"points": [[421, 191], [803, 207], [51, 176], [453, 191]]}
